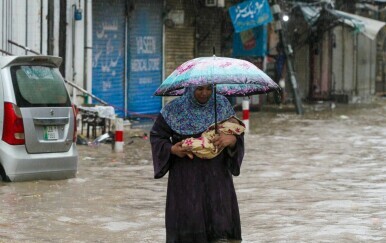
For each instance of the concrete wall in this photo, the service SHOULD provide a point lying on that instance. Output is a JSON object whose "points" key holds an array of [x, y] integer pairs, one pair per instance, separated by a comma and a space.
{"points": [[195, 37], [23, 22], [354, 65], [26, 23], [75, 56]]}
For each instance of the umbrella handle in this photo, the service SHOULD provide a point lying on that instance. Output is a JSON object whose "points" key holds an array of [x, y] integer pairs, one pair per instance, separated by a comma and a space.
{"points": [[215, 109]]}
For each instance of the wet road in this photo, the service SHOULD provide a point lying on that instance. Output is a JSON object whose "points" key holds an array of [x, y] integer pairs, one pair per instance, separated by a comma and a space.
{"points": [[320, 177]]}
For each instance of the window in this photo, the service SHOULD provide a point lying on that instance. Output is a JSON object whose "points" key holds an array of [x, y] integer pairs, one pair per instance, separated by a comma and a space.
{"points": [[39, 86], [210, 3]]}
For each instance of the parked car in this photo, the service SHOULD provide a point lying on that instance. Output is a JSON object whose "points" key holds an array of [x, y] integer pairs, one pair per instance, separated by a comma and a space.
{"points": [[37, 120]]}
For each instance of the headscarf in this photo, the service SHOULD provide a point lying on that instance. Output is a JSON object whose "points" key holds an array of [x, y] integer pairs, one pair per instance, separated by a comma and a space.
{"points": [[186, 116]]}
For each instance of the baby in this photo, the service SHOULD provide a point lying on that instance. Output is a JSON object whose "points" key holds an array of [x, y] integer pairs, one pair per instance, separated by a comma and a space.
{"points": [[202, 146]]}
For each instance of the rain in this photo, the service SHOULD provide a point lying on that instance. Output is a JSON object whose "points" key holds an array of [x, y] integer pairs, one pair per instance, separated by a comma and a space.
{"points": [[313, 169]]}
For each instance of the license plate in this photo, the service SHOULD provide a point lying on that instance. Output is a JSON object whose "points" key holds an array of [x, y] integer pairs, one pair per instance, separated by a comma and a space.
{"points": [[51, 132]]}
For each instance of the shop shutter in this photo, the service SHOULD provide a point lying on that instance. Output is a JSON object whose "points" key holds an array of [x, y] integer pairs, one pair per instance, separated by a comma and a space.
{"points": [[145, 56], [109, 52]]}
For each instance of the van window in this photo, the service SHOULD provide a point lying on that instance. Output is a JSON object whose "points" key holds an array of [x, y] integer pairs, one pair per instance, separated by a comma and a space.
{"points": [[37, 86]]}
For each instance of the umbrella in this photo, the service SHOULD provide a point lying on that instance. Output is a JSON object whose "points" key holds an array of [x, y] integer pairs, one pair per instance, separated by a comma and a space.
{"points": [[229, 77], [233, 77]]}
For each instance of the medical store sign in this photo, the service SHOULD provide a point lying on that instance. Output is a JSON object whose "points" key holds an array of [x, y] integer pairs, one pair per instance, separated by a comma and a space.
{"points": [[250, 14]]}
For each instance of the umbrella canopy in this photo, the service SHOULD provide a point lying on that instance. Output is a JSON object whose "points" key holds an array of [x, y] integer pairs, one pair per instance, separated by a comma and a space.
{"points": [[233, 77]]}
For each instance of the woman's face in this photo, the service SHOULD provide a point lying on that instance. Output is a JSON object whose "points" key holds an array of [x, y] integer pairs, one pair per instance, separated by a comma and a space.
{"points": [[203, 93]]}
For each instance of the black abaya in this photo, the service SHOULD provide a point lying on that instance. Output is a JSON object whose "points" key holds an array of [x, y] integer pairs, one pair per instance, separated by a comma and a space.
{"points": [[201, 203]]}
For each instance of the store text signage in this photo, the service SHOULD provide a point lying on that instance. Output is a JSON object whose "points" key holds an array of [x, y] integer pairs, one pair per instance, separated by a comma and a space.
{"points": [[250, 14]]}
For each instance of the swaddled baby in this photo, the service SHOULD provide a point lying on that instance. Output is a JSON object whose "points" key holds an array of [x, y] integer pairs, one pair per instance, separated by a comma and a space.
{"points": [[202, 146]]}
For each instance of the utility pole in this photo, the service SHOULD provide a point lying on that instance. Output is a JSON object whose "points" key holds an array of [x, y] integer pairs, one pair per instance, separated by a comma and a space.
{"points": [[288, 52]]}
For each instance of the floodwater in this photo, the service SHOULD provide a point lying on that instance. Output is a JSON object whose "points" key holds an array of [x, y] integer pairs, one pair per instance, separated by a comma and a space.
{"points": [[320, 177]]}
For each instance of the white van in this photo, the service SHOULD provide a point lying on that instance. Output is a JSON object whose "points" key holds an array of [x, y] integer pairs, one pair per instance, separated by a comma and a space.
{"points": [[37, 120]]}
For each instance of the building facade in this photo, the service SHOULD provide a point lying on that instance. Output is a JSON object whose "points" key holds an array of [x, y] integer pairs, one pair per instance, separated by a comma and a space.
{"points": [[121, 50], [337, 55]]}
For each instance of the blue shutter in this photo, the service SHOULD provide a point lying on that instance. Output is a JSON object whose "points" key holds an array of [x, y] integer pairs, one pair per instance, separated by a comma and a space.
{"points": [[145, 56], [109, 52]]}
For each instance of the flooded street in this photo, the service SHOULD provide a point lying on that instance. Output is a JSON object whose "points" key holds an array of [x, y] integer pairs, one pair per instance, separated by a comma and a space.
{"points": [[320, 177]]}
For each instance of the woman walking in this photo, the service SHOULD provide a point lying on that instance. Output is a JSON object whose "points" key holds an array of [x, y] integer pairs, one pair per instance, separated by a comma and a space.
{"points": [[201, 204]]}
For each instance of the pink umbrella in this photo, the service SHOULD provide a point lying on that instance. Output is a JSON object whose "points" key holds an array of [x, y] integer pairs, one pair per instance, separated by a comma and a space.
{"points": [[229, 77]]}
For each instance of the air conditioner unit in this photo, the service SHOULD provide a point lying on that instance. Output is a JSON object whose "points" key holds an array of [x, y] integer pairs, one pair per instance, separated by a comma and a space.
{"points": [[210, 3]]}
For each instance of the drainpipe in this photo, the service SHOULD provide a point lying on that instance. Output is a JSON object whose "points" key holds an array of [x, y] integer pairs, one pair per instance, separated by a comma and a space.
{"points": [[74, 18], [343, 59], [50, 28], [371, 66], [88, 52], [9, 24], [331, 73], [41, 26], [63, 35], [355, 65], [126, 63], [77, 16], [73, 53], [26, 25]]}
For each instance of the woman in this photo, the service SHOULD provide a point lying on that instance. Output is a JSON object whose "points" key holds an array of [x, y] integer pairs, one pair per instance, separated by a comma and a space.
{"points": [[201, 204]]}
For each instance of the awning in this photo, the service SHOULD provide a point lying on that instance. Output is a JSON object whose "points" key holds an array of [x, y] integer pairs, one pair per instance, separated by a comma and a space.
{"points": [[313, 14], [310, 13], [368, 27]]}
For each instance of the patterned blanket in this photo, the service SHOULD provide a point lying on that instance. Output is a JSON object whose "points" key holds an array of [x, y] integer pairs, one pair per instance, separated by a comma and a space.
{"points": [[202, 146]]}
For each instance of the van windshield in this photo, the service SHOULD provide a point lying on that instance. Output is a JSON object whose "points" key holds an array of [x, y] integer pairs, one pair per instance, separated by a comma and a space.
{"points": [[37, 86]]}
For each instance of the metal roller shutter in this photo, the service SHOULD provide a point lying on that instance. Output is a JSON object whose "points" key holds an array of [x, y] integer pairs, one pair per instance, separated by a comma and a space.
{"points": [[145, 56], [109, 52]]}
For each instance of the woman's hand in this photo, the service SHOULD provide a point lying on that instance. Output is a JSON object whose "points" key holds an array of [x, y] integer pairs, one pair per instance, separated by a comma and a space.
{"points": [[181, 152], [221, 141]]}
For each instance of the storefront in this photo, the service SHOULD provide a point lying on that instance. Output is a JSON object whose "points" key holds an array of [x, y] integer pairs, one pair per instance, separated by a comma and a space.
{"points": [[127, 54]]}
